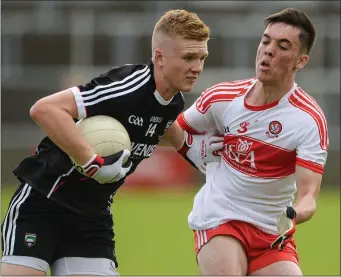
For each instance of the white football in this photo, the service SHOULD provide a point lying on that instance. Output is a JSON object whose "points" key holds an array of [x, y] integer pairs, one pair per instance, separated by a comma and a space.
{"points": [[105, 134]]}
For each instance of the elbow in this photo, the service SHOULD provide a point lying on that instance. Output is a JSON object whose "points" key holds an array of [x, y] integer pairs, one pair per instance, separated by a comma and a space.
{"points": [[38, 110], [305, 209], [34, 111], [309, 215], [313, 208]]}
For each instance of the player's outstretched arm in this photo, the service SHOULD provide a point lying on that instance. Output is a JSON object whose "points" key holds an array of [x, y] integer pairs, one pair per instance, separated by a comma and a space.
{"points": [[308, 184]]}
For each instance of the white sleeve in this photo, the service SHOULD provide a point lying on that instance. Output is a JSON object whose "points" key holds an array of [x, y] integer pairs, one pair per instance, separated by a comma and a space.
{"points": [[198, 118], [206, 114], [108, 93], [312, 148], [79, 102]]}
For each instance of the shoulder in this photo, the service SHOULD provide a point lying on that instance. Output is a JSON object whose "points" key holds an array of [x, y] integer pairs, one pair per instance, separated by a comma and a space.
{"points": [[236, 85], [304, 102], [119, 80], [129, 71], [223, 92], [312, 115]]}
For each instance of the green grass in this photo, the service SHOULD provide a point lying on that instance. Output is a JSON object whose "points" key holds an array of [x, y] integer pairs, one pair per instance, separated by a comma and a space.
{"points": [[153, 237], [318, 240]]}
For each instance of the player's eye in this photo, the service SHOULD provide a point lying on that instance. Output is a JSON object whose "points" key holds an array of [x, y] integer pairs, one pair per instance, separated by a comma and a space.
{"points": [[188, 58], [283, 48]]}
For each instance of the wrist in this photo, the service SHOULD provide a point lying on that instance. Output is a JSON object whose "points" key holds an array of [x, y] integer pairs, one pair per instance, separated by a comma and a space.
{"points": [[93, 157], [93, 165], [291, 212], [183, 141], [305, 208], [187, 144], [84, 157]]}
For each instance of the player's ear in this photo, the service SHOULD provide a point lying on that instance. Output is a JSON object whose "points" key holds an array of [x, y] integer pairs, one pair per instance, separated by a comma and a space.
{"points": [[158, 57], [302, 62]]}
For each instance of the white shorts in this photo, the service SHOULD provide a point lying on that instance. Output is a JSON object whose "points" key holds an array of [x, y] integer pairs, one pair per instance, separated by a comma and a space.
{"points": [[67, 265]]}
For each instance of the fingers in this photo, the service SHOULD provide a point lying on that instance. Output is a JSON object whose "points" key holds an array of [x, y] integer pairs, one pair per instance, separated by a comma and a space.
{"points": [[281, 245], [273, 244], [126, 167], [216, 146], [278, 240], [216, 143], [214, 139], [125, 155]]}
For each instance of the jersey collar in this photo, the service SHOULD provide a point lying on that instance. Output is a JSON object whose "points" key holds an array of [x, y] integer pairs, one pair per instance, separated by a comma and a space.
{"points": [[162, 101]]}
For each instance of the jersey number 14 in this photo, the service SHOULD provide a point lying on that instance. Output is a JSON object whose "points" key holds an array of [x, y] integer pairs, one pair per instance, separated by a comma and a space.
{"points": [[151, 130]]}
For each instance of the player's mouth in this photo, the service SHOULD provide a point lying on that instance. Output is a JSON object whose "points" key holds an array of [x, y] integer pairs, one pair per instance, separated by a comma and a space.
{"points": [[264, 65], [192, 79]]}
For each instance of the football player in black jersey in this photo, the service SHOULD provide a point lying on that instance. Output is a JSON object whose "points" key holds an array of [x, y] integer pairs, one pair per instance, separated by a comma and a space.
{"points": [[59, 218]]}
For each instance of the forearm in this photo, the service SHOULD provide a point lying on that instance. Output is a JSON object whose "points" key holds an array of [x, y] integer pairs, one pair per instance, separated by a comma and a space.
{"points": [[60, 127], [164, 142], [174, 137], [305, 208]]}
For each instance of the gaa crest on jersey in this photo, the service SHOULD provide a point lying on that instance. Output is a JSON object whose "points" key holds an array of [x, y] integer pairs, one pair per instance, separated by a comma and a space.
{"points": [[135, 120], [30, 239], [275, 127]]}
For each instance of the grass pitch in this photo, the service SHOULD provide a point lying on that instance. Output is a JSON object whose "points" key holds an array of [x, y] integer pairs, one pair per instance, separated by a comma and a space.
{"points": [[153, 238]]}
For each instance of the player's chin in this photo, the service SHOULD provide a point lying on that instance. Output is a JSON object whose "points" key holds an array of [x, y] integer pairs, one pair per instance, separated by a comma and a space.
{"points": [[186, 90], [264, 78], [187, 87]]}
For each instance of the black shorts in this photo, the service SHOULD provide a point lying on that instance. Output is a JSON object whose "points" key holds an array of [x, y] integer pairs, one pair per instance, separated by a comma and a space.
{"points": [[38, 227]]}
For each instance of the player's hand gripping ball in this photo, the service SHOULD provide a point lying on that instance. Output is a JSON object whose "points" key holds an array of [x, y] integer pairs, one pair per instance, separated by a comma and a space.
{"points": [[106, 135]]}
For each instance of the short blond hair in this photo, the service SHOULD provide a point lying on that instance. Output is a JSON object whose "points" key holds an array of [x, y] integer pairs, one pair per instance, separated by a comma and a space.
{"points": [[184, 24]]}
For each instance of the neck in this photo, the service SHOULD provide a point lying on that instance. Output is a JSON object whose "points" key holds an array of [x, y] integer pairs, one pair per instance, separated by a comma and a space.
{"points": [[268, 93], [162, 86]]}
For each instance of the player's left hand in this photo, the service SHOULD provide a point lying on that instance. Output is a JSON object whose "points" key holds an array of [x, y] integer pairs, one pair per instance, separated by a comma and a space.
{"points": [[286, 227]]}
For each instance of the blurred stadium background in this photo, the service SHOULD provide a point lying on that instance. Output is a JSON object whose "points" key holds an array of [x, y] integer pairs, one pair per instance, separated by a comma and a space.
{"points": [[48, 46]]}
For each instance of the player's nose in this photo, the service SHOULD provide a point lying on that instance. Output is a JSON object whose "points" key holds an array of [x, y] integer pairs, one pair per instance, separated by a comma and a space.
{"points": [[198, 66], [269, 50]]}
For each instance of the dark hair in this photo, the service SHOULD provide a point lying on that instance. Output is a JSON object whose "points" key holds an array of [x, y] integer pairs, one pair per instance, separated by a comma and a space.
{"points": [[296, 18]]}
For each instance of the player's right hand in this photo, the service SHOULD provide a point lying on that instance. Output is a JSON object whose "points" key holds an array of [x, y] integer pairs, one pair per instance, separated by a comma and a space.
{"points": [[201, 149], [108, 169]]}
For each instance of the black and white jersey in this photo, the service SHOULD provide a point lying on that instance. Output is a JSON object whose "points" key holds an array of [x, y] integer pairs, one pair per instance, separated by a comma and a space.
{"points": [[126, 93]]}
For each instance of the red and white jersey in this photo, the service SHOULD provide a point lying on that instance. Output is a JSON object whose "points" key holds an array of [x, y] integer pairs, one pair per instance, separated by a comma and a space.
{"points": [[255, 179]]}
